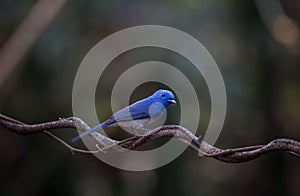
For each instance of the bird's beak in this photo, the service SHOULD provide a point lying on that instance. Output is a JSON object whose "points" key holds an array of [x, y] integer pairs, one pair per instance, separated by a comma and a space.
{"points": [[172, 101]]}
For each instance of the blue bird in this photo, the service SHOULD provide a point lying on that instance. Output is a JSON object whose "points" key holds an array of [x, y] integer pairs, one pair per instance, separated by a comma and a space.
{"points": [[136, 115]]}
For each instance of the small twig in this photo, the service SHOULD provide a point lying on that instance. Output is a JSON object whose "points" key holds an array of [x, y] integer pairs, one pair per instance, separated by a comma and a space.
{"points": [[71, 148]]}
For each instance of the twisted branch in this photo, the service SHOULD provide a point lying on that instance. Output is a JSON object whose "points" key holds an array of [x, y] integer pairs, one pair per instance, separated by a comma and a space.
{"points": [[232, 155]]}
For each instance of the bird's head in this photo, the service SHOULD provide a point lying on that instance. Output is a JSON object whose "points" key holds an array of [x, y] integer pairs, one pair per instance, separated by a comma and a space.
{"points": [[165, 97]]}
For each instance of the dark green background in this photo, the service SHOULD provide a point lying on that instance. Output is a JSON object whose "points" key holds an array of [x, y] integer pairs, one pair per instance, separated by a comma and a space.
{"points": [[261, 69]]}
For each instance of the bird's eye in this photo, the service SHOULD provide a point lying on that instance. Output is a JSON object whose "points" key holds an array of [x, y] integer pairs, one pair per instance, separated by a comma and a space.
{"points": [[163, 95]]}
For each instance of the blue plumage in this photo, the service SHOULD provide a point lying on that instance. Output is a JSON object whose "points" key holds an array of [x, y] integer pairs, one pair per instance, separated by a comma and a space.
{"points": [[137, 114]]}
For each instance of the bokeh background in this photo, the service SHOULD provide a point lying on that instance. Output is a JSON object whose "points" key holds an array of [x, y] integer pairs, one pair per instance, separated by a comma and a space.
{"points": [[254, 43]]}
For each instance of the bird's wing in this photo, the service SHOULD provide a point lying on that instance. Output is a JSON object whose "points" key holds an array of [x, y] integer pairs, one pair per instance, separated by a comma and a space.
{"points": [[137, 110]]}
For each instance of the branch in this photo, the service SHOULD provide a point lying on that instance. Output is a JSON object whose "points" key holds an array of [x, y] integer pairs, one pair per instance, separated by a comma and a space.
{"points": [[232, 155]]}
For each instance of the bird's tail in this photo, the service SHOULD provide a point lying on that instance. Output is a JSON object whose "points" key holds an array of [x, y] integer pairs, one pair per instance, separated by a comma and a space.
{"points": [[101, 126]]}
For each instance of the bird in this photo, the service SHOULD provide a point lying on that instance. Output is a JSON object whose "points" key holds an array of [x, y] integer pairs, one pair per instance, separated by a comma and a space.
{"points": [[138, 114]]}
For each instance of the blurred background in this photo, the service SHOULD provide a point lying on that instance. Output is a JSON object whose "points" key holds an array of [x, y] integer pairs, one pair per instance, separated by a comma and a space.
{"points": [[254, 43]]}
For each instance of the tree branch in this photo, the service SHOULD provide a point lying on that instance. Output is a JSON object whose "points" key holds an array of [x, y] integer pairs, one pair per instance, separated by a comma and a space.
{"points": [[232, 155]]}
